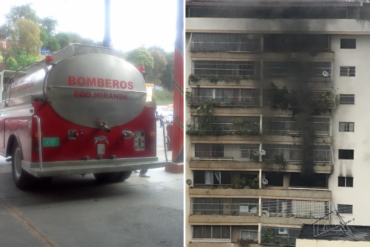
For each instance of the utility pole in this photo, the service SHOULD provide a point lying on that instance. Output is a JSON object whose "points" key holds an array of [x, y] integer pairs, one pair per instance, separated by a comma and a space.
{"points": [[107, 39]]}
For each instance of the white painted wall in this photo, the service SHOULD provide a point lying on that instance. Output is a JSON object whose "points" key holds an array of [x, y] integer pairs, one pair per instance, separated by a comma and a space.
{"points": [[359, 140]]}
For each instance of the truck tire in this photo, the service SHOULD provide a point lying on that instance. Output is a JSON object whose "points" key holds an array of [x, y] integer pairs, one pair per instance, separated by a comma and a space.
{"points": [[108, 177], [122, 176], [22, 179]]}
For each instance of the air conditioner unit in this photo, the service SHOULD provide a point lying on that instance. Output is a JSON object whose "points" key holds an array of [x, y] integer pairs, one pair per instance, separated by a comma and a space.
{"points": [[265, 213], [283, 230]]}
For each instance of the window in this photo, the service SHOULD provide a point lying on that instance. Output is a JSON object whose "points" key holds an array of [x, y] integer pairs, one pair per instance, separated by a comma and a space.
{"points": [[212, 177], [346, 154], [211, 232], [274, 178], [347, 43], [345, 181], [209, 150], [348, 71], [346, 127], [345, 209], [347, 99]]}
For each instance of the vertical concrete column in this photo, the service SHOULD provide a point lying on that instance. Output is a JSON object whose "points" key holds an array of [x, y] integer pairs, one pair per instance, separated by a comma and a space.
{"points": [[261, 97], [260, 206], [259, 232], [260, 179], [261, 121], [261, 44], [259, 150]]}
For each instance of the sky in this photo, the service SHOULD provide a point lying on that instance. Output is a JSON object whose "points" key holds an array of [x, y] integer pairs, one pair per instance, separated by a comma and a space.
{"points": [[133, 23]]}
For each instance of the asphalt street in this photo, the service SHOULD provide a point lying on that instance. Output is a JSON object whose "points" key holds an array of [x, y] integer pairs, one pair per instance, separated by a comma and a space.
{"points": [[77, 211]]}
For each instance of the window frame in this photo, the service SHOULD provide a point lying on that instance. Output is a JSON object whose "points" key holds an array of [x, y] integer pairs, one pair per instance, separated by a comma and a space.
{"points": [[345, 42], [342, 155], [347, 206], [211, 239], [345, 97], [346, 182], [346, 126], [347, 71]]}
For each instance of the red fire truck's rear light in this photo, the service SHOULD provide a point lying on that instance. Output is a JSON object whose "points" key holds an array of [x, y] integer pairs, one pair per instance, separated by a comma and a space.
{"points": [[49, 59], [152, 140]]}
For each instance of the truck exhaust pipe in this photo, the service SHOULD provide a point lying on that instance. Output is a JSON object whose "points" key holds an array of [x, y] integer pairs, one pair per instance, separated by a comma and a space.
{"points": [[102, 125]]}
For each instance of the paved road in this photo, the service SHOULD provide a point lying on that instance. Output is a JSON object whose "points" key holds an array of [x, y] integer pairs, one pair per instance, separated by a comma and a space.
{"points": [[77, 211]]}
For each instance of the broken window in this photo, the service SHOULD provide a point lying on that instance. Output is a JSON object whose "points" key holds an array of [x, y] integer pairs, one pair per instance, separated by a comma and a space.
{"points": [[314, 180], [212, 178], [274, 178], [346, 154]]}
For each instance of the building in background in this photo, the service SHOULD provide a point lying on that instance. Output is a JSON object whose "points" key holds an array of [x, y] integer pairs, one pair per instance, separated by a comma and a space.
{"points": [[277, 100]]}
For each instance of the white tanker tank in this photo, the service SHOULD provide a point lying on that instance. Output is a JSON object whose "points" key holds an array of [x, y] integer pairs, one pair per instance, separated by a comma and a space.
{"points": [[85, 85]]}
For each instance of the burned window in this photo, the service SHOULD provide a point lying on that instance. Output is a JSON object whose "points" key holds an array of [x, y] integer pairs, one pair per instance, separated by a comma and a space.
{"points": [[346, 127], [347, 43], [274, 178], [345, 209], [347, 99], [345, 181], [346, 154], [224, 68], [349, 71], [314, 180]]}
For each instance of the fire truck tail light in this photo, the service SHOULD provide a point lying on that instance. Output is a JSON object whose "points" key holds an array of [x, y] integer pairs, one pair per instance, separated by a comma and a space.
{"points": [[49, 59], [152, 140]]}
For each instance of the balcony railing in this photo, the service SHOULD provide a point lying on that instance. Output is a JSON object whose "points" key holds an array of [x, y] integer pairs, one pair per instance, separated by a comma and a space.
{"points": [[288, 126], [231, 209], [245, 152], [294, 208], [246, 101], [293, 153]]}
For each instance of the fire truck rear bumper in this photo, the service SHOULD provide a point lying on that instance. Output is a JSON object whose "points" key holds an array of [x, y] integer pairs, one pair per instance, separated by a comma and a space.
{"points": [[91, 166]]}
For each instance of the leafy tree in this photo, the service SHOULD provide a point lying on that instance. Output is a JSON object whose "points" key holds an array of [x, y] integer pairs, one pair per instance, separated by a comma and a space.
{"points": [[28, 36], [63, 39], [24, 59], [17, 13], [44, 37], [11, 63], [53, 44], [159, 66], [141, 56], [48, 24], [168, 73]]}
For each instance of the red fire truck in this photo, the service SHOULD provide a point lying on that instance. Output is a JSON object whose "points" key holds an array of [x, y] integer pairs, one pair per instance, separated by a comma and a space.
{"points": [[83, 110]]}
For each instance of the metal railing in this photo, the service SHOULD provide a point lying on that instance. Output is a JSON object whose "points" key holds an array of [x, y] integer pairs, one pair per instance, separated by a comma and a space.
{"points": [[223, 208], [245, 152], [245, 101], [224, 68]]}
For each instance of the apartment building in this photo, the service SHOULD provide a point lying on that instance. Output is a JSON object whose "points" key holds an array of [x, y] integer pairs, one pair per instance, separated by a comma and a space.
{"points": [[277, 100]]}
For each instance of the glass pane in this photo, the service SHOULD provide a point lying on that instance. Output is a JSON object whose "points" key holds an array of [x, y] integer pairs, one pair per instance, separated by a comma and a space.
{"points": [[226, 232], [216, 232], [207, 231], [197, 232]]}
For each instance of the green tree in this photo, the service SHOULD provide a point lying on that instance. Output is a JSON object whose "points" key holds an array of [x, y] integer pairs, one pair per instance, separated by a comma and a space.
{"points": [[159, 66], [63, 39], [11, 63], [28, 36], [141, 56], [48, 24], [44, 37], [15, 14], [168, 73], [76, 38], [53, 44]]}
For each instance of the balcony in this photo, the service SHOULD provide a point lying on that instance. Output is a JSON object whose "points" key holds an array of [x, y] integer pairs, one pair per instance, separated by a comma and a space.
{"points": [[264, 193], [247, 220], [225, 97], [219, 164], [310, 26]]}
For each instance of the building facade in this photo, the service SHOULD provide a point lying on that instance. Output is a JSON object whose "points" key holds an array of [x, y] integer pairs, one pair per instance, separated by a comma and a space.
{"points": [[277, 95]]}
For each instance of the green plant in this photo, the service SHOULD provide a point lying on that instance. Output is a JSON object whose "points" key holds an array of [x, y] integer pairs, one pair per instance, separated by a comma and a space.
{"points": [[243, 182], [244, 242], [280, 160], [267, 235]]}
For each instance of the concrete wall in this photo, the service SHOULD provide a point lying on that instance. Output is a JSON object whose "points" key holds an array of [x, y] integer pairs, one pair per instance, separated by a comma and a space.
{"points": [[326, 243], [359, 140]]}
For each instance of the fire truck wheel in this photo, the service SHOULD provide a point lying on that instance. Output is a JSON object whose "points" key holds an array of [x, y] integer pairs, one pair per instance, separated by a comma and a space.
{"points": [[108, 177], [122, 176], [22, 179]]}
